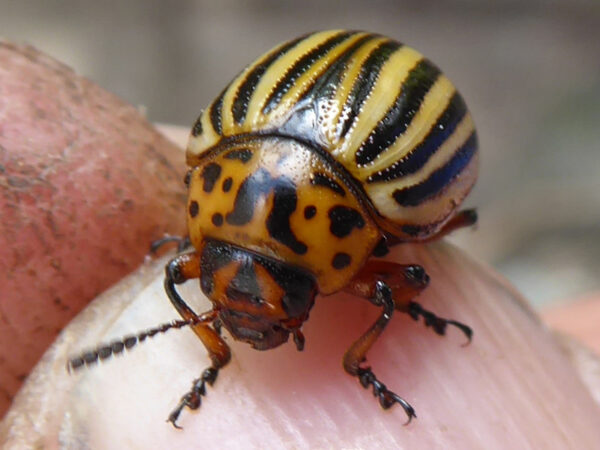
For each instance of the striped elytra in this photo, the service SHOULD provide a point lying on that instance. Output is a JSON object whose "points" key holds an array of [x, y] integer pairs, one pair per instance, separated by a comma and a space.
{"points": [[380, 111], [308, 166]]}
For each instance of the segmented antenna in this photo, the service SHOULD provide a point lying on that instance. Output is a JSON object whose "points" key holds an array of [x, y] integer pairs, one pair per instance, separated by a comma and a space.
{"points": [[105, 351]]}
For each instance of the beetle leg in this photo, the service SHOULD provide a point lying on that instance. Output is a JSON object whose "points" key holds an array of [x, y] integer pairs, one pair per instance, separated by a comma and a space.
{"points": [[180, 269], [183, 243], [356, 354], [406, 282]]}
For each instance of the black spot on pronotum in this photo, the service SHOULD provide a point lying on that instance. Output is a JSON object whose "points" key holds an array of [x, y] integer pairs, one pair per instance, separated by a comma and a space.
{"points": [[217, 219], [193, 208], [251, 189], [211, 174], [242, 154], [321, 179], [309, 212], [341, 260], [227, 184], [343, 220], [285, 200]]}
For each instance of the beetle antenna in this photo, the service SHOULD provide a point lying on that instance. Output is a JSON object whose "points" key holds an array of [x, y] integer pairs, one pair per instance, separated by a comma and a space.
{"points": [[105, 351]]}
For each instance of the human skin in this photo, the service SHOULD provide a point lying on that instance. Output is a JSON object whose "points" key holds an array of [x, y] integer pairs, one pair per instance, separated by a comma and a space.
{"points": [[85, 184], [511, 387]]}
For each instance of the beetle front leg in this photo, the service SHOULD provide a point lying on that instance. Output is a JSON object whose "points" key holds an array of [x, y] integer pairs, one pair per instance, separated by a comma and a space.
{"points": [[180, 269]]}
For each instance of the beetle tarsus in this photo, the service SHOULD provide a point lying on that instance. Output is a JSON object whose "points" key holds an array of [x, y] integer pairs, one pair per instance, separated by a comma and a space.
{"points": [[386, 398], [193, 399], [438, 324]]}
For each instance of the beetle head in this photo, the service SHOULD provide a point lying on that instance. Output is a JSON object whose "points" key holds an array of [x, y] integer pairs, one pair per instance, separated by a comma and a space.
{"points": [[260, 300]]}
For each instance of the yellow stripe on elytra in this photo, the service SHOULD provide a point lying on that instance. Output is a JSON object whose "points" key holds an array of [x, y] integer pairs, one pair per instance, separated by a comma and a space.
{"points": [[310, 75], [333, 127], [432, 107], [229, 125], [381, 193], [381, 98], [209, 136], [277, 70]]}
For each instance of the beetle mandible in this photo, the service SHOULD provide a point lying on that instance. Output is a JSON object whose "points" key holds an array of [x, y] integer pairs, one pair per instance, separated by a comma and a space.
{"points": [[309, 165]]}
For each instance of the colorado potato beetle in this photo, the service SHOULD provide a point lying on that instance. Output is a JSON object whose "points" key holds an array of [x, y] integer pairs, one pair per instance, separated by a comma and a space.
{"points": [[309, 165]]}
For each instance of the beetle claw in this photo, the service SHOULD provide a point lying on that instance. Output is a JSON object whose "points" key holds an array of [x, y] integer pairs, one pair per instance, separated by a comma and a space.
{"points": [[193, 399], [386, 398], [438, 324]]}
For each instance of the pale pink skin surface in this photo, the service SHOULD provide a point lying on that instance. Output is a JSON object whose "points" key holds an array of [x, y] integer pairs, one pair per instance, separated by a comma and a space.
{"points": [[85, 184], [511, 388]]}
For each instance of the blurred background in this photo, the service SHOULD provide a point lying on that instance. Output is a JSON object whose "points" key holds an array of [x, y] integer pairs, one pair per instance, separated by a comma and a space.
{"points": [[529, 71]]}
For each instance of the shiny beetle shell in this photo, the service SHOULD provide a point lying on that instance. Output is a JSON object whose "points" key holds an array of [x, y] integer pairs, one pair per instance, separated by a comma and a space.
{"points": [[356, 136]]}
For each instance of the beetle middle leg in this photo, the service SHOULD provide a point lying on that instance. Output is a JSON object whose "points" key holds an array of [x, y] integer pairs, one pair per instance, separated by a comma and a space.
{"points": [[406, 281], [180, 269], [392, 287]]}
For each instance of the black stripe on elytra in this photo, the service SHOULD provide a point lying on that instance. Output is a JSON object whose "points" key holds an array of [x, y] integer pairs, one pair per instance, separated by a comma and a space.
{"points": [[399, 116], [321, 179], [326, 84], [246, 89], [419, 155], [417, 194], [216, 110], [211, 174], [197, 128], [301, 66], [366, 80], [285, 201], [343, 220], [242, 154]]}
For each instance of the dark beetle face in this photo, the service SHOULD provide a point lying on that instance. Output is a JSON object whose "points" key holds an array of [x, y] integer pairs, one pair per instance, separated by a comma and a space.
{"points": [[256, 331], [260, 300]]}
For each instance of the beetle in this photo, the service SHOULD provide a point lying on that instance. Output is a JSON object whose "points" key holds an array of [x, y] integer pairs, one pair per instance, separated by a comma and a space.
{"points": [[306, 168]]}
